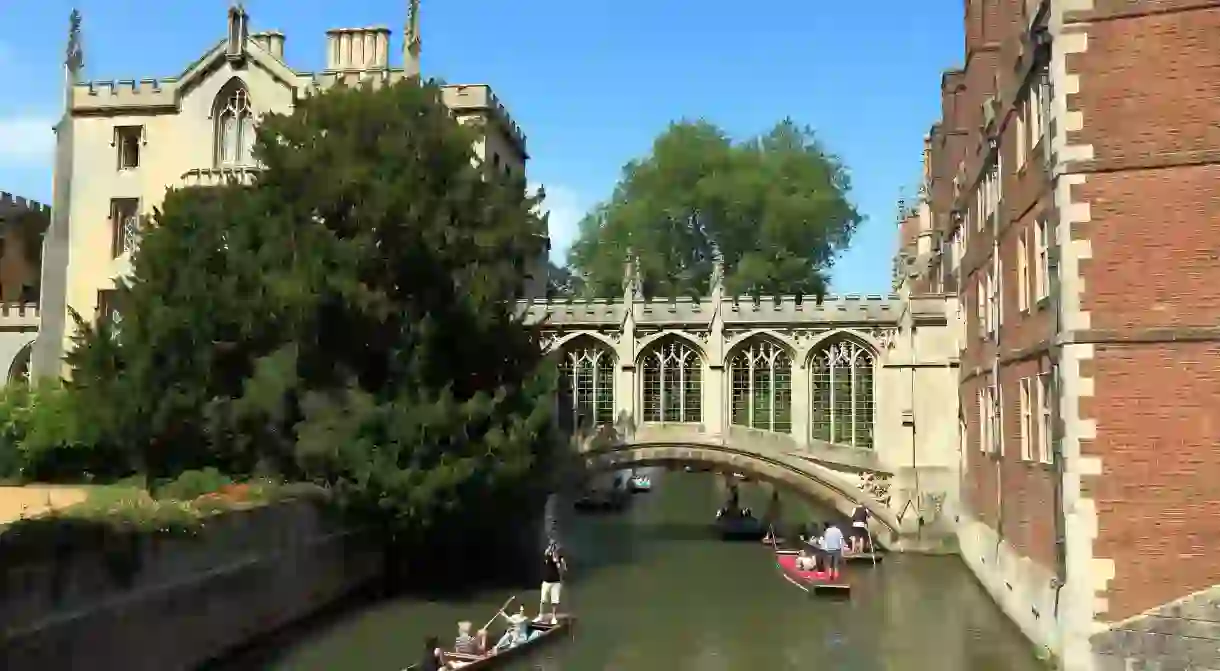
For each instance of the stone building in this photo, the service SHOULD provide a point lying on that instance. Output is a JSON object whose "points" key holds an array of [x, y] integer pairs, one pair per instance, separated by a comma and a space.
{"points": [[1072, 201], [120, 144], [22, 225]]}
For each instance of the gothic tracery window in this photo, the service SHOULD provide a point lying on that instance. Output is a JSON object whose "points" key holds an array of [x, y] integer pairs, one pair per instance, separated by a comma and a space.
{"points": [[672, 382], [234, 126], [586, 371], [841, 391], [761, 373]]}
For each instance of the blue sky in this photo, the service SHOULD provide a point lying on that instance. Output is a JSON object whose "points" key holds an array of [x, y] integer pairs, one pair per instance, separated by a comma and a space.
{"points": [[591, 81]]}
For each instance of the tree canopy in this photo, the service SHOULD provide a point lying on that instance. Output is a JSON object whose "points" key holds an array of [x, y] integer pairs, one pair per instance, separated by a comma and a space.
{"points": [[774, 207], [348, 319]]}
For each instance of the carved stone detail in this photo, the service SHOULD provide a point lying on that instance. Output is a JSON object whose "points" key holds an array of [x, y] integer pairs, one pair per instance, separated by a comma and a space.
{"points": [[875, 485], [885, 337], [803, 336]]}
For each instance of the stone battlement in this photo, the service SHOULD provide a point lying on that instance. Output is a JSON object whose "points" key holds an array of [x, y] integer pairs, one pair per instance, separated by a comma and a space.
{"points": [[10, 202], [850, 308], [96, 96], [104, 96], [126, 86], [19, 316]]}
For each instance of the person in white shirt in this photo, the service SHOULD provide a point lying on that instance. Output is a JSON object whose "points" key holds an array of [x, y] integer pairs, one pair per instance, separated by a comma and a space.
{"points": [[832, 544]]}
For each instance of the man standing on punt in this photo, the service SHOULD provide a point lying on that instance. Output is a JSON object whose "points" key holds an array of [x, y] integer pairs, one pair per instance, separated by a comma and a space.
{"points": [[554, 566], [832, 543]]}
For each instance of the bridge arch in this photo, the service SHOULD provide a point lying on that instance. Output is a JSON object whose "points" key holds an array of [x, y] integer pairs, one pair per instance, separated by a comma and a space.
{"points": [[808, 478]]}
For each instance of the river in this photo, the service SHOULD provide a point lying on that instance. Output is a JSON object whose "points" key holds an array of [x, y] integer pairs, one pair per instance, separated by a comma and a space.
{"points": [[654, 590]]}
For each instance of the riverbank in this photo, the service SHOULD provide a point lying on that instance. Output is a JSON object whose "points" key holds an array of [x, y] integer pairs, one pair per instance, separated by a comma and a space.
{"points": [[157, 602], [112, 575]]}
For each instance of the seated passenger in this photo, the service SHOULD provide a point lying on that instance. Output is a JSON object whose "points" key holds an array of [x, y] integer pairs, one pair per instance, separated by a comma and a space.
{"points": [[518, 630], [467, 644], [805, 562]]}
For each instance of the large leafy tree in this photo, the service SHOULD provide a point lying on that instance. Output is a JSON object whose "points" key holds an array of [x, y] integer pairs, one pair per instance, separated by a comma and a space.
{"points": [[349, 318], [775, 208]]}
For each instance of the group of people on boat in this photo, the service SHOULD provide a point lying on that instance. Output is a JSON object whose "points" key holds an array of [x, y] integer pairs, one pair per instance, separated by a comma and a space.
{"points": [[518, 631], [824, 545], [732, 509]]}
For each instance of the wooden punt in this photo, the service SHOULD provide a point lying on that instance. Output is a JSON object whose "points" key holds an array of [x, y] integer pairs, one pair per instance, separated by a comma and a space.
{"points": [[868, 558], [863, 557], [812, 582], [549, 633]]}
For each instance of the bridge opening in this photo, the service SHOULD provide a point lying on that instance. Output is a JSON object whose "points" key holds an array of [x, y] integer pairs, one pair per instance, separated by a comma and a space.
{"points": [[807, 480]]}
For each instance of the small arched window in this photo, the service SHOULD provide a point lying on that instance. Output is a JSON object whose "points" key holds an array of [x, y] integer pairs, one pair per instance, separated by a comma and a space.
{"points": [[233, 117]]}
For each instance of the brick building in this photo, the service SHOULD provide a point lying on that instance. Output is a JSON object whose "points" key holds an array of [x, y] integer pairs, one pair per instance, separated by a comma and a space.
{"points": [[1072, 200]]}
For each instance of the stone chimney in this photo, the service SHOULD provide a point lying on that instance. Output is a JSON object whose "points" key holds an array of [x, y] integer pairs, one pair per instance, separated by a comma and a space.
{"points": [[349, 49], [272, 41]]}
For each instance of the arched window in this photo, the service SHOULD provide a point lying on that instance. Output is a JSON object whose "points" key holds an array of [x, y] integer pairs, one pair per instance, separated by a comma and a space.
{"points": [[673, 373], [234, 126], [586, 372], [841, 388], [19, 369], [762, 386]]}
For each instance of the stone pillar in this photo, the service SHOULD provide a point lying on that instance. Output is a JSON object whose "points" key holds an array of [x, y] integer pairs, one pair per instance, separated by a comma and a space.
{"points": [[715, 388], [714, 400], [800, 403], [626, 383]]}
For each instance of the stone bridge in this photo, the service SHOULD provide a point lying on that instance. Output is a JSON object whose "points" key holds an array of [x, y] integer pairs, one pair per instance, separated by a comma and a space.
{"points": [[850, 400]]}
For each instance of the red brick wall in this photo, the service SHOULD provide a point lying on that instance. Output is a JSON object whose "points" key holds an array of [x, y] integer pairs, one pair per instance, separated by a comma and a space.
{"points": [[1157, 504], [1026, 488], [1149, 85]]}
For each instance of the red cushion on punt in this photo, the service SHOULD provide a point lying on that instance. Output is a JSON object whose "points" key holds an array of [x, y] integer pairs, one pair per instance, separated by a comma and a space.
{"points": [[788, 563]]}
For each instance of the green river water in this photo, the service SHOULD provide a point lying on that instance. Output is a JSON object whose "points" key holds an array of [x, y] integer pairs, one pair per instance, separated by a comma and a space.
{"points": [[654, 589]]}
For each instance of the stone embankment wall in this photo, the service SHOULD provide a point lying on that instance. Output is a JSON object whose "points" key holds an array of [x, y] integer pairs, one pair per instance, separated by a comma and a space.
{"points": [[1184, 634], [183, 600]]}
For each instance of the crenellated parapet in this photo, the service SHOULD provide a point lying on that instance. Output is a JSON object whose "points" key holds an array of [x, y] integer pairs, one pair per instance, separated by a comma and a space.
{"points": [[739, 310], [11, 204], [114, 96]]}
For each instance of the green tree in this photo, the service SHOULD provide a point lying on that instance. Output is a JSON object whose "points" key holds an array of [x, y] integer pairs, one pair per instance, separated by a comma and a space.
{"points": [[350, 318], [775, 208], [561, 283]]}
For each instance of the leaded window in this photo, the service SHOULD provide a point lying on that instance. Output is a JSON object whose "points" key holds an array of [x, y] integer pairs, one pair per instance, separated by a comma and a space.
{"points": [[672, 382], [761, 373], [842, 394]]}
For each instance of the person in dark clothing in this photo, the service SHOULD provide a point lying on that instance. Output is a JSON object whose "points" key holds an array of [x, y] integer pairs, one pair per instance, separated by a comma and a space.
{"points": [[554, 566], [859, 529], [814, 542], [433, 659]]}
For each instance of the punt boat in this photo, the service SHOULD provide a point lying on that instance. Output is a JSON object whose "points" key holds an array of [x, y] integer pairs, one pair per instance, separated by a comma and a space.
{"points": [[811, 582], [549, 633]]}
